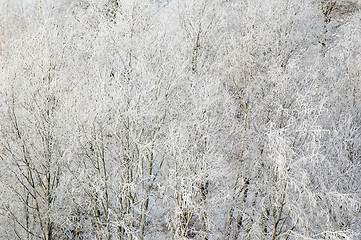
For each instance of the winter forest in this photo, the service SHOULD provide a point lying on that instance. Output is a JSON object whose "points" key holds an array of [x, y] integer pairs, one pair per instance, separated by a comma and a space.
{"points": [[180, 119]]}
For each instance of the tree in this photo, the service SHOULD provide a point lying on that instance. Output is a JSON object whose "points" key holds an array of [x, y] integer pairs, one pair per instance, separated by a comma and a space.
{"points": [[179, 120]]}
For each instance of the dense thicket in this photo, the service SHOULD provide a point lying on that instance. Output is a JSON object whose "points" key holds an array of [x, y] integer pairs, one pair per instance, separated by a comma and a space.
{"points": [[208, 119]]}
